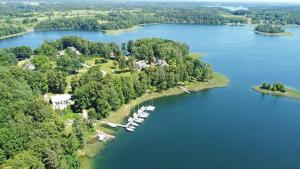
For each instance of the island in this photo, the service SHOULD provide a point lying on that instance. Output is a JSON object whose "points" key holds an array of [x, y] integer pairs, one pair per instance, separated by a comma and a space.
{"points": [[64, 91], [269, 29], [277, 89]]}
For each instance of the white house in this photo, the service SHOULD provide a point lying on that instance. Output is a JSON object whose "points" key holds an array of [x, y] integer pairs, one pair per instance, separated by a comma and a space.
{"points": [[74, 50], [61, 101], [29, 66], [140, 64], [160, 62]]}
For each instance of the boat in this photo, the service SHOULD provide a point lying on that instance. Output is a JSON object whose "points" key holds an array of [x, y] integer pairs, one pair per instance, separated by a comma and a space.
{"points": [[134, 124], [134, 114], [139, 120], [140, 111], [130, 119], [150, 108], [129, 129], [132, 127], [143, 108], [144, 115]]}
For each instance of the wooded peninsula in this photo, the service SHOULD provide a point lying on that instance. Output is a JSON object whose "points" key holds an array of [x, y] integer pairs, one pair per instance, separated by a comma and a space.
{"points": [[45, 91]]}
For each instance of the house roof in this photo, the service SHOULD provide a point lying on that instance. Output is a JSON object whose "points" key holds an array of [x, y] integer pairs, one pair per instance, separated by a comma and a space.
{"points": [[60, 98]]}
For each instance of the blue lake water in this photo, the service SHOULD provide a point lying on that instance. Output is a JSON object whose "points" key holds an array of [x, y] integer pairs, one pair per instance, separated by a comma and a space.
{"points": [[232, 127]]}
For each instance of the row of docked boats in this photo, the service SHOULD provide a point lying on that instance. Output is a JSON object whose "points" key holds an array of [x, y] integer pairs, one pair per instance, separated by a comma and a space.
{"points": [[138, 117]]}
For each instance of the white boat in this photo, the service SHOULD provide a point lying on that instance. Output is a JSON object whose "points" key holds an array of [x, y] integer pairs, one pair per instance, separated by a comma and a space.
{"points": [[139, 120], [134, 114], [130, 119], [143, 108], [129, 129], [132, 127], [150, 108], [134, 124], [140, 111], [144, 115]]}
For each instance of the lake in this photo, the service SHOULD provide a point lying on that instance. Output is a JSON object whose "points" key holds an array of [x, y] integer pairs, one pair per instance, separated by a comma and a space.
{"points": [[232, 127]]}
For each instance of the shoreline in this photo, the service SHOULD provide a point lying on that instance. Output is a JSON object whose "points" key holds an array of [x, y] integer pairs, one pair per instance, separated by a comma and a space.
{"points": [[95, 147], [115, 32], [275, 34], [290, 92]]}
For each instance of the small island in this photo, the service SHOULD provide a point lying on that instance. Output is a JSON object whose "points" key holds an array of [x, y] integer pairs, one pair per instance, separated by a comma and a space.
{"points": [[268, 29], [277, 89]]}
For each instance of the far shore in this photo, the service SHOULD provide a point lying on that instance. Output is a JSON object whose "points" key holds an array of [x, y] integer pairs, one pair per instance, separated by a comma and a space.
{"points": [[95, 147], [136, 27], [290, 92], [275, 34]]}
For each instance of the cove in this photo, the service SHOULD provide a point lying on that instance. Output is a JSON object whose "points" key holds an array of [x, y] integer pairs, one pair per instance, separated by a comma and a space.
{"points": [[231, 127]]}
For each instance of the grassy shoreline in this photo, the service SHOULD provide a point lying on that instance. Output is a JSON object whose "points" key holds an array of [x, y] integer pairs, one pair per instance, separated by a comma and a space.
{"points": [[13, 35], [290, 92], [275, 34], [94, 147], [120, 31]]}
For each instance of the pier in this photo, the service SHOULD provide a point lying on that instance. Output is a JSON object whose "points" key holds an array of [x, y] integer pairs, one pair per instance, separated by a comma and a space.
{"points": [[137, 117]]}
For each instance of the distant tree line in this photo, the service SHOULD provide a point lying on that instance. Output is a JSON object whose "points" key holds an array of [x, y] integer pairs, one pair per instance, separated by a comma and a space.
{"points": [[6, 30]]}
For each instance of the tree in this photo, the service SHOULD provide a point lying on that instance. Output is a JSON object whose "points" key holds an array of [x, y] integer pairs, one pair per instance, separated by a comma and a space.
{"points": [[69, 64], [37, 81], [102, 107], [7, 59], [207, 73], [122, 63], [128, 88], [21, 52], [24, 159], [48, 49], [51, 159], [42, 63], [131, 64], [56, 81]]}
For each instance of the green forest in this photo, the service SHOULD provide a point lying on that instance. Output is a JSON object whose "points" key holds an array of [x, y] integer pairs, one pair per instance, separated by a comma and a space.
{"points": [[33, 135], [268, 28]]}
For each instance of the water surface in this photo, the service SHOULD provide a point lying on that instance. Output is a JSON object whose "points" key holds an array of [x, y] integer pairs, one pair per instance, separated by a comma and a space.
{"points": [[232, 127]]}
